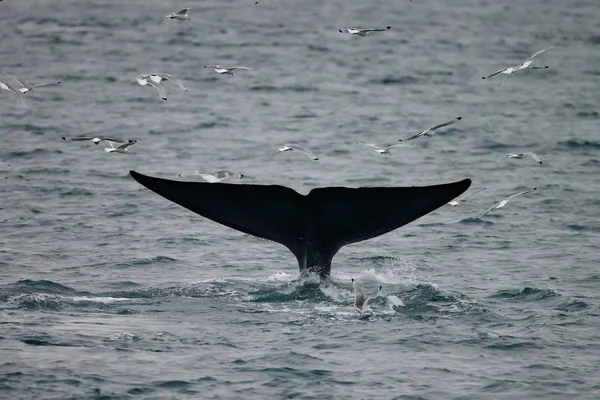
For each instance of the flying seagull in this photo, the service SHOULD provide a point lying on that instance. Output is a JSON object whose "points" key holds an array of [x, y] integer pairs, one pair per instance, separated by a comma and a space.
{"points": [[525, 65], [26, 88], [181, 15], [116, 145], [521, 155], [361, 302], [4, 163], [145, 80], [119, 147], [364, 32], [301, 149], [159, 77], [95, 139], [8, 87], [213, 178], [225, 70], [456, 202], [502, 203], [431, 131], [383, 150]]}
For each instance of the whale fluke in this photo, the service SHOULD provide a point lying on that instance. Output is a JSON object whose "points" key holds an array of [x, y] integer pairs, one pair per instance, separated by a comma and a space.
{"points": [[313, 227]]}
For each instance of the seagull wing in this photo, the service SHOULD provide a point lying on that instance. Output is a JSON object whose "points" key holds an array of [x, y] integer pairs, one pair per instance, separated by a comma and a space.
{"points": [[304, 150], [45, 84], [397, 145], [452, 121], [373, 296], [240, 67], [309, 153], [505, 78], [77, 138], [413, 137], [12, 77], [473, 192], [520, 193], [370, 145], [387, 28], [123, 146], [359, 297], [488, 210], [541, 51], [184, 11], [495, 73], [175, 81], [534, 156], [161, 89]]}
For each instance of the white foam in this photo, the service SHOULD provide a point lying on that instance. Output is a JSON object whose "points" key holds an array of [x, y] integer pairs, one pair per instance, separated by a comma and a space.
{"points": [[281, 277], [98, 299], [394, 301]]}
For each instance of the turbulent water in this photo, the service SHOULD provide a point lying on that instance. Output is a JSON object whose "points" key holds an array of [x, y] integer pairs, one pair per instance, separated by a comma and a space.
{"points": [[110, 291]]}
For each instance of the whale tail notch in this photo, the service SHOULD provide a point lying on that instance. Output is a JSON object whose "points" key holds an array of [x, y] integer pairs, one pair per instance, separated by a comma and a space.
{"points": [[313, 227]]}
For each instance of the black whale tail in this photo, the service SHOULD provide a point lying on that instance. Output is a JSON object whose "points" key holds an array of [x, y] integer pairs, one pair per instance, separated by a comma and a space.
{"points": [[313, 227]]}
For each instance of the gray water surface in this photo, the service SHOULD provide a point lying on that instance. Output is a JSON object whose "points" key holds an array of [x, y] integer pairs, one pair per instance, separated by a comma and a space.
{"points": [[110, 291]]}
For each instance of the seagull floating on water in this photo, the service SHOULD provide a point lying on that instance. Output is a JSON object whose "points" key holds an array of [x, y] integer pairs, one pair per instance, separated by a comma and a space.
{"points": [[213, 178], [225, 70], [502, 203], [525, 65], [383, 150], [521, 155], [361, 302], [456, 202], [301, 149], [181, 15], [26, 88], [431, 131], [364, 32]]}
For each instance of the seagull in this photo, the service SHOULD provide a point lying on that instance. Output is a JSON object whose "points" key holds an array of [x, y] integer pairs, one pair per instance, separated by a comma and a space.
{"points": [[361, 302], [119, 147], [225, 70], [116, 145], [383, 150], [301, 149], [364, 32], [525, 65], [431, 131], [8, 87], [213, 178], [95, 139], [181, 15], [157, 77], [502, 203], [26, 88], [456, 202], [4, 163], [145, 80], [521, 155]]}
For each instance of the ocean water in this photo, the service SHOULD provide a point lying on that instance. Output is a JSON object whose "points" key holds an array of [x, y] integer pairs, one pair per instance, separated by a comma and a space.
{"points": [[108, 291]]}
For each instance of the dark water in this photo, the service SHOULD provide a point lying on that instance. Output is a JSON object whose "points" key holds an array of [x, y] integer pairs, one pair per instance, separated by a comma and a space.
{"points": [[109, 291]]}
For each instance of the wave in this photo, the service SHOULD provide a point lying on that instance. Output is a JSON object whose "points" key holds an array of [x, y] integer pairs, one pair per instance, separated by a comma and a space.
{"points": [[526, 293], [292, 88], [395, 80], [578, 144]]}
